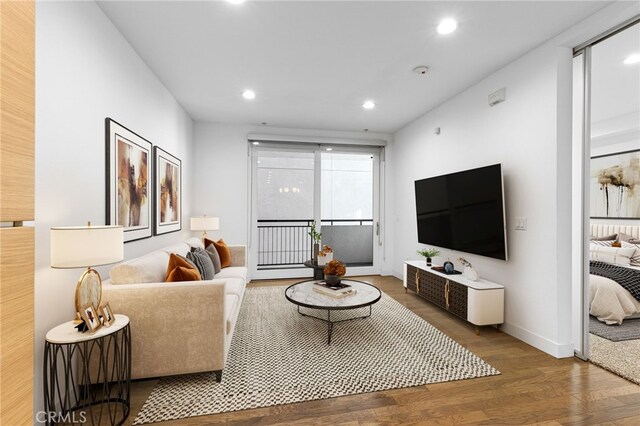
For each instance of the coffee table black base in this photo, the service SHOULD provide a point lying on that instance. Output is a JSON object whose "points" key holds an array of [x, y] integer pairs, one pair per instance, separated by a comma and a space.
{"points": [[329, 321]]}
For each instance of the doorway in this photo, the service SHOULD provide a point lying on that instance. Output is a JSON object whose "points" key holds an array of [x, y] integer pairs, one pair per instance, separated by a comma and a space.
{"points": [[606, 143], [295, 186]]}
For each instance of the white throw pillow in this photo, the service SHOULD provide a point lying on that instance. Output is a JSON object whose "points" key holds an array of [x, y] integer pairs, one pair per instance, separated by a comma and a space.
{"points": [[614, 255], [635, 257]]}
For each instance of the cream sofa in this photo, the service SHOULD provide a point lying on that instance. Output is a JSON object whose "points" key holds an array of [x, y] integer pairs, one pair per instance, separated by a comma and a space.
{"points": [[178, 327]]}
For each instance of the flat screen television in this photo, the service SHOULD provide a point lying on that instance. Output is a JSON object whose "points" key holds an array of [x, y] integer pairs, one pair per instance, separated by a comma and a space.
{"points": [[463, 211]]}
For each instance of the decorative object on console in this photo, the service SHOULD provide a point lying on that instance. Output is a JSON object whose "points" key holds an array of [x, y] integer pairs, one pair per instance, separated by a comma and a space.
{"points": [[334, 271], [315, 239], [428, 254], [613, 177], [448, 267], [469, 271], [84, 247], [204, 224], [168, 191], [128, 184]]}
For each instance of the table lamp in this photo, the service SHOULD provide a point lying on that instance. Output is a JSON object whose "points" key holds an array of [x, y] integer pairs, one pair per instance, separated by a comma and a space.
{"points": [[204, 224], [84, 247]]}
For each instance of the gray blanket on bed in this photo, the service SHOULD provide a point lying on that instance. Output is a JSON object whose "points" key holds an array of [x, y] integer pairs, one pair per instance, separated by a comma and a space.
{"points": [[629, 279]]}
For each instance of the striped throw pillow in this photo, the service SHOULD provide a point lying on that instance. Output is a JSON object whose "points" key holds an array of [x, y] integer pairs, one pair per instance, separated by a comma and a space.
{"points": [[605, 243], [635, 257]]}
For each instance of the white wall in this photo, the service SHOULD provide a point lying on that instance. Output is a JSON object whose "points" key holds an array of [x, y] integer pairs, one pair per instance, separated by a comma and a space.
{"points": [[222, 173], [530, 134], [86, 71]]}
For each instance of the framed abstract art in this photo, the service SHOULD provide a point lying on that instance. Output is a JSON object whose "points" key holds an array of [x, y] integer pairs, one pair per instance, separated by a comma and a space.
{"points": [[128, 185], [615, 180], [168, 192]]}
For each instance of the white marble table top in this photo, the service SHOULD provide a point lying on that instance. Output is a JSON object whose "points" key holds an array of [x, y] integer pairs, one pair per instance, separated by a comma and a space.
{"points": [[67, 333], [303, 294]]}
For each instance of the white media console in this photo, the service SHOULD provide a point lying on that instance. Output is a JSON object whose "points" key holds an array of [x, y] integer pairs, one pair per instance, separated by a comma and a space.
{"points": [[479, 302]]}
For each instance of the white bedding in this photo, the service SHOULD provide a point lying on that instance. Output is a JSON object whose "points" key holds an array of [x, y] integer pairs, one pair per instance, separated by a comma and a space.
{"points": [[609, 301]]}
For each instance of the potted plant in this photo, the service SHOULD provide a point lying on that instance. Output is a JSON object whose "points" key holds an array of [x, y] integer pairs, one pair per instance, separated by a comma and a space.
{"points": [[334, 271], [315, 237], [428, 254]]}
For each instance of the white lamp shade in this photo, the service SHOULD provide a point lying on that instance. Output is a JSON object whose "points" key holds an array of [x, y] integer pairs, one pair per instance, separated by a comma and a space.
{"points": [[204, 223], [84, 246]]}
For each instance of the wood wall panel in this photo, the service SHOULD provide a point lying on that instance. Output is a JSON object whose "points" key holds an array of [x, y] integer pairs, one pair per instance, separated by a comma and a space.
{"points": [[16, 325], [17, 177], [17, 110]]}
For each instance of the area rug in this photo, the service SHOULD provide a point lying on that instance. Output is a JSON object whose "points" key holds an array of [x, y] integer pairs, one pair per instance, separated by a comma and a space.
{"points": [[277, 356], [628, 330], [620, 358]]}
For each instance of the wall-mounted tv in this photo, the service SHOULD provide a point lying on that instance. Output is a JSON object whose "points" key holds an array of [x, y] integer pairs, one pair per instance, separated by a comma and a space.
{"points": [[463, 211]]}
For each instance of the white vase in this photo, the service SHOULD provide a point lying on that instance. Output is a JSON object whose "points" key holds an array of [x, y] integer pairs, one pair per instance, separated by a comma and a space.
{"points": [[470, 273]]}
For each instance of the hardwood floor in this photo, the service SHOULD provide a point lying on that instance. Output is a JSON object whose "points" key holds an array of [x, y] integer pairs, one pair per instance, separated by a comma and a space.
{"points": [[534, 388]]}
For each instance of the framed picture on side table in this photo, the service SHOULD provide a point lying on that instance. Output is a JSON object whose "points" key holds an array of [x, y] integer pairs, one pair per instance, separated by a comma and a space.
{"points": [[107, 315], [168, 192], [90, 317]]}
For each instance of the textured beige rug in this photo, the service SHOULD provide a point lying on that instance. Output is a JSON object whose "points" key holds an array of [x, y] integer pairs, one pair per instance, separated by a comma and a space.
{"points": [[621, 358]]}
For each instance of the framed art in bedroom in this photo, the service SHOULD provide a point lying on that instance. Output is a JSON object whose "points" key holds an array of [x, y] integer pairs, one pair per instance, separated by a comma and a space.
{"points": [[128, 162], [168, 192], [614, 181]]}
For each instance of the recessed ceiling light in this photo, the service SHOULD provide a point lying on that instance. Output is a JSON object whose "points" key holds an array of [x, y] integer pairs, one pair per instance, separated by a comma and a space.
{"points": [[329, 149], [447, 26], [235, 1], [256, 143], [368, 105], [632, 59], [249, 94]]}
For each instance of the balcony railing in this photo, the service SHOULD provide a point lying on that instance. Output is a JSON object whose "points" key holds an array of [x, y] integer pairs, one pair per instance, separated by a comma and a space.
{"points": [[287, 244]]}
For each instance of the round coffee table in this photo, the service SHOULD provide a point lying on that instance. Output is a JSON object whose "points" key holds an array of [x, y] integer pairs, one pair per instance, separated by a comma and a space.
{"points": [[302, 294]]}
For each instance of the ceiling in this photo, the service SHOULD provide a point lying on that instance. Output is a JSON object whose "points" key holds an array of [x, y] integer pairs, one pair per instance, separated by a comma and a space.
{"points": [[313, 63]]}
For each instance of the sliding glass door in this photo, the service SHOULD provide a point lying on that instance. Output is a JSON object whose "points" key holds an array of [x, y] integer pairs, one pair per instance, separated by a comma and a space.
{"points": [[294, 186]]}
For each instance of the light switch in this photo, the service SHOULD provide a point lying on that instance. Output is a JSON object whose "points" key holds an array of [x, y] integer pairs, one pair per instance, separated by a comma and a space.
{"points": [[521, 223]]}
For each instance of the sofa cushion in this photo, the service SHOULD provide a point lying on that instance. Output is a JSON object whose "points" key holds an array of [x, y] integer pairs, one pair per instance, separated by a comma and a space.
{"points": [[203, 262], [223, 251], [151, 268], [215, 257], [234, 286], [233, 272], [182, 249], [181, 269]]}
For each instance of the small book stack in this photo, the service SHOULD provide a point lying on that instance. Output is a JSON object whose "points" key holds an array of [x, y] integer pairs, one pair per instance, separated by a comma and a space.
{"points": [[337, 291]]}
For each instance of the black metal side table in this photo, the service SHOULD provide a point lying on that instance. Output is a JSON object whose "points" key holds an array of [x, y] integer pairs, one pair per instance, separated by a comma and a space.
{"points": [[318, 270], [87, 377]]}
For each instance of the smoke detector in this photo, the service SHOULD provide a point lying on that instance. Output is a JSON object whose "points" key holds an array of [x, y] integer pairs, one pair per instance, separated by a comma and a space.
{"points": [[421, 70]]}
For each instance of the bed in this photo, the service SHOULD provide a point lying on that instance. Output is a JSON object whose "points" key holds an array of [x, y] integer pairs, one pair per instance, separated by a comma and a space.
{"points": [[610, 302]]}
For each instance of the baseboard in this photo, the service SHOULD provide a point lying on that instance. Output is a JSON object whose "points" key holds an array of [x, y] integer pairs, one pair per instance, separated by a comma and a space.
{"points": [[545, 345]]}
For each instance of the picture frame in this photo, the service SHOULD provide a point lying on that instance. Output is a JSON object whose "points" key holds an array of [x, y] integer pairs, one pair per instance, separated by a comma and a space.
{"points": [[90, 317], [612, 178], [107, 315], [167, 192], [128, 181]]}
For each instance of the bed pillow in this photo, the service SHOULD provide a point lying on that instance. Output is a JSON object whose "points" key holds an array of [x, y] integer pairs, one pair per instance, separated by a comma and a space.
{"points": [[635, 257], [613, 255], [605, 243], [628, 238], [608, 237]]}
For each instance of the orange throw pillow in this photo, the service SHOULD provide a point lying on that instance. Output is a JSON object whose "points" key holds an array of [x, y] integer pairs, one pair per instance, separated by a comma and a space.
{"points": [[223, 251], [181, 270]]}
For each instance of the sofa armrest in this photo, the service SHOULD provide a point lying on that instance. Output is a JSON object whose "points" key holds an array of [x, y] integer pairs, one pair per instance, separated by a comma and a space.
{"points": [[168, 318], [238, 255]]}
